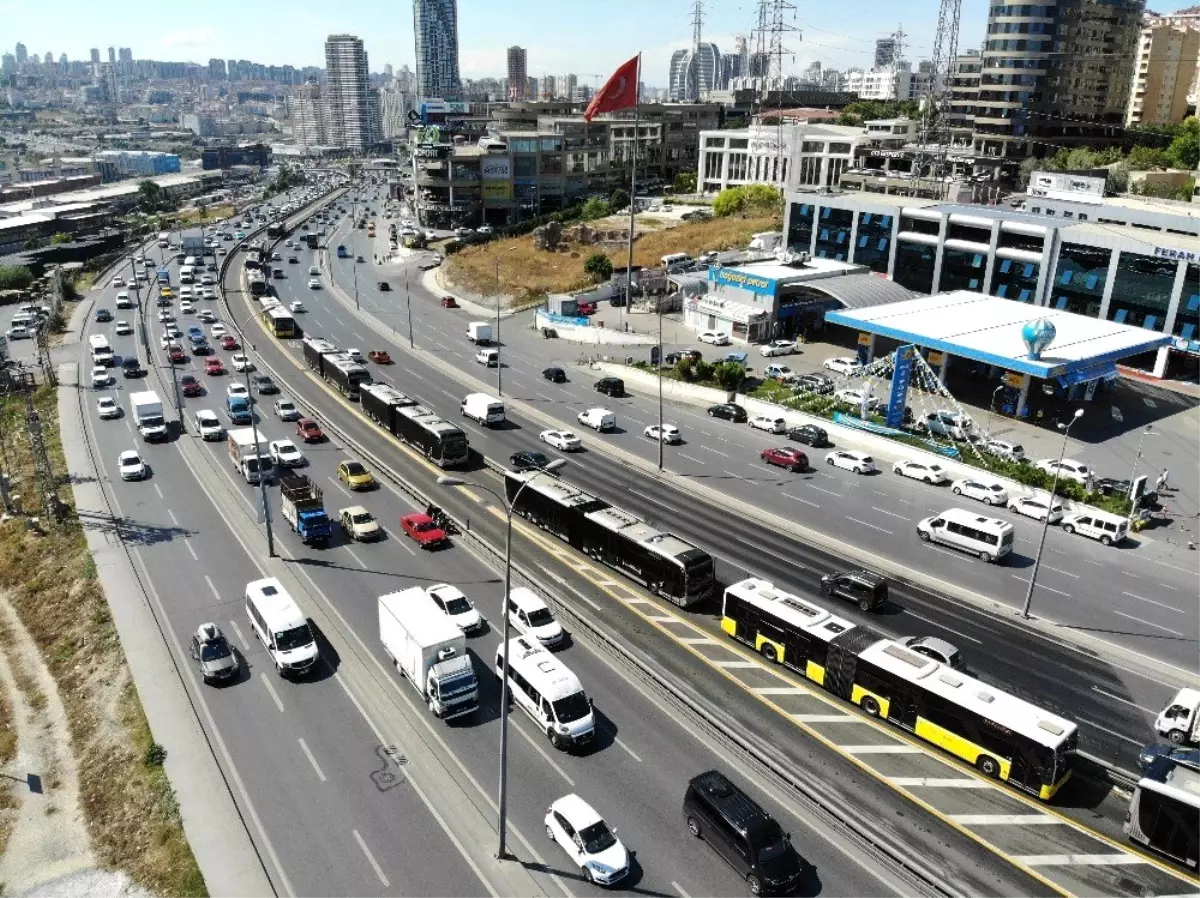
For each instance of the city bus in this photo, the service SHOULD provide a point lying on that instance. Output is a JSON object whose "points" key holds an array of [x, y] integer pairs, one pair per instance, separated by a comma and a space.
{"points": [[1164, 813], [279, 321], [258, 285], [1003, 736]]}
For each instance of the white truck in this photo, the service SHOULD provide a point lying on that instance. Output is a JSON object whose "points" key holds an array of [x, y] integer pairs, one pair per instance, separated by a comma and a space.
{"points": [[479, 333], [147, 410], [249, 456], [430, 651], [1180, 719], [486, 410]]}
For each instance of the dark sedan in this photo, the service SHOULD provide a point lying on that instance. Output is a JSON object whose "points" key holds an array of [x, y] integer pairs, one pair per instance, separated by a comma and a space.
{"points": [[729, 411], [528, 460], [555, 375], [1177, 753], [384, 286], [264, 385], [809, 434]]}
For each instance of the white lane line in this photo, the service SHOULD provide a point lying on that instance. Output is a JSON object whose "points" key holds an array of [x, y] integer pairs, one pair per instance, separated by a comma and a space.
{"points": [[238, 632], [628, 750], [549, 760], [872, 526], [362, 564], [544, 396], [1148, 624], [898, 748], [678, 888], [1134, 576], [805, 501], [697, 640], [439, 346], [174, 520], [944, 782], [714, 452], [1110, 732], [187, 542], [826, 718], [159, 491], [779, 690], [1059, 571], [689, 458], [404, 542], [635, 420], [1080, 860], [737, 665], [360, 336], [1172, 566], [1152, 602], [271, 689], [339, 320], [212, 587], [813, 486], [944, 627], [732, 474], [1043, 586], [308, 754], [371, 859], [890, 514], [1003, 819], [1171, 588], [1123, 701]]}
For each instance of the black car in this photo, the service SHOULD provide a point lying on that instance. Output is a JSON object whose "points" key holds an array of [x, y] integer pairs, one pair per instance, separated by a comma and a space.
{"points": [[1177, 753], [555, 375], [211, 652], [610, 386], [131, 367], [528, 460], [360, 259], [729, 411], [674, 358], [865, 588], [103, 315], [292, 260], [809, 434], [384, 286], [264, 385], [813, 383]]}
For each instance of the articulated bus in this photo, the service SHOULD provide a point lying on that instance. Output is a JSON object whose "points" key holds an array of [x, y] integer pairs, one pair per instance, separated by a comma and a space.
{"points": [[1003, 736], [279, 321], [1164, 813]]}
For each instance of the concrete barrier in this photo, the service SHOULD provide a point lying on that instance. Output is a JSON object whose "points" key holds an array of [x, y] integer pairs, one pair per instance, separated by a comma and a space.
{"points": [[592, 335]]}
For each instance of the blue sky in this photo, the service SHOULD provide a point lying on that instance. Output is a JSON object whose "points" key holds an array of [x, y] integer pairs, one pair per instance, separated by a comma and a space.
{"points": [[588, 38]]}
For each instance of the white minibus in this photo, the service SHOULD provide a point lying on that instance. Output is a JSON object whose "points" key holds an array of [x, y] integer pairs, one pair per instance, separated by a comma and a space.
{"points": [[548, 692], [280, 626], [989, 538]]}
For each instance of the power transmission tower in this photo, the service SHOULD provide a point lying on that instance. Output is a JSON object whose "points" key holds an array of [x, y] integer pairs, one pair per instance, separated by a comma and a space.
{"points": [[695, 89], [43, 473], [781, 15], [933, 133], [898, 37]]}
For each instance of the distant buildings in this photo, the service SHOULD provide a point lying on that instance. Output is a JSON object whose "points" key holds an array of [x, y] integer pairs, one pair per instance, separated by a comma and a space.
{"points": [[693, 76], [1163, 73], [435, 32], [518, 79], [351, 105]]}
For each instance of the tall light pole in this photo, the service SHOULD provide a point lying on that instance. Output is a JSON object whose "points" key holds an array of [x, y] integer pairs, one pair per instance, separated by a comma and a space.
{"points": [[987, 432], [499, 359], [1149, 429], [1037, 561], [660, 379], [502, 851], [262, 480]]}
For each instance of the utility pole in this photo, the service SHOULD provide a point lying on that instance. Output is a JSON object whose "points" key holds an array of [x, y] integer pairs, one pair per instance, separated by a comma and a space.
{"points": [[42, 471], [933, 134]]}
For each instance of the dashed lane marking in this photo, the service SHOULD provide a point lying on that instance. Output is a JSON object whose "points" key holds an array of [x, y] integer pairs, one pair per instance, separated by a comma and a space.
{"points": [[308, 754]]}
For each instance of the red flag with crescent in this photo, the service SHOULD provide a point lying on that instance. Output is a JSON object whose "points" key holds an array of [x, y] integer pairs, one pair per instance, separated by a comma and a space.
{"points": [[620, 91]]}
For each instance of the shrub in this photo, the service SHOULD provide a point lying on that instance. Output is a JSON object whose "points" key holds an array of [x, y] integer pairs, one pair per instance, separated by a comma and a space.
{"points": [[60, 238], [619, 200], [729, 375], [599, 266], [15, 277]]}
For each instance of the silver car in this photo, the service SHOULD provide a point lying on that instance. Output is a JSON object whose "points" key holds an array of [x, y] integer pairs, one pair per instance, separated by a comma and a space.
{"points": [[211, 652]]}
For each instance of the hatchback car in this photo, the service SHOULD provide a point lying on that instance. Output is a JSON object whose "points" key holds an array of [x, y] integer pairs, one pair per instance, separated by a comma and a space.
{"points": [[457, 607], [937, 649], [229, 341], [103, 315], [845, 365], [728, 411], [309, 431], [379, 357], [848, 460], [106, 407], [1005, 449], [987, 493], [355, 475], [131, 465], [563, 440], [121, 328], [785, 457], [296, 306], [668, 433], [716, 338], [809, 434], [314, 284], [926, 472], [1037, 507], [769, 423], [212, 654], [1066, 467], [587, 839]]}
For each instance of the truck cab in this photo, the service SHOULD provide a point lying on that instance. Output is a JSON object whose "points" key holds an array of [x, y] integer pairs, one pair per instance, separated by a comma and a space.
{"points": [[1180, 719]]}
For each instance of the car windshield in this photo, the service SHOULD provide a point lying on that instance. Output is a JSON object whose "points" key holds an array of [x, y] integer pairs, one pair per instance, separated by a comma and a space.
{"points": [[573, 707], [597, 837], [541, 617], [295, 638], [772, 847], [364, 518], [458, 605], [354, 469], [422, 526], [214, 651]]}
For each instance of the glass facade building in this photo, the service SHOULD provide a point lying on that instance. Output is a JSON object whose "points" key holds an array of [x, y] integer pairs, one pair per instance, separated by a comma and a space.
{"points": [[800, 226], [1017, 280], [1141, 293], [914, 266], [1079, 279], [873, 245], [833, 234], [1187, 319], [962, 269]]}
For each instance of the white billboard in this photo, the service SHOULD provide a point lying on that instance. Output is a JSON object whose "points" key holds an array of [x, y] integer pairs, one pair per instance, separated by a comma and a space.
{"points": [[496, 168]]}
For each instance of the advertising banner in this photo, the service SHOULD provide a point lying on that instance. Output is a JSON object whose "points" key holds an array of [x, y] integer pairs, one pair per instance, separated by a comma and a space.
{"points": [[900, 382], [497, 190], [496, 168]]}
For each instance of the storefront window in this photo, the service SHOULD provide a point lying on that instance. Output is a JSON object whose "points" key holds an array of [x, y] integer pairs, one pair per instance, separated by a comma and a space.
{"points": [[800, 227], [833, 233], [1079, 279], [962, 270], [914, 266], [873, 243], [1187, 319], [525, 166], [1015, 280], [1142, 291]]}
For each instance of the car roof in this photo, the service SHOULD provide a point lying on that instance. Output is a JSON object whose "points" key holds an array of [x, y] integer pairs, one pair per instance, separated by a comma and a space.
{"points": [[355, 509], [578, 811]]}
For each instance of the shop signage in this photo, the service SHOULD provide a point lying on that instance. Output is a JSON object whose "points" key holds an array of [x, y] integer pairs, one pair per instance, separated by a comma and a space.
{"points": [[431, 152], [864, 339], [900, 381], [1013, 379], [1170, 252], [496, 168], [732, 277]]}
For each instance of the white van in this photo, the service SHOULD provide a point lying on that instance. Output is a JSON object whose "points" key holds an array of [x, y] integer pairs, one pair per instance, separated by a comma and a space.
{"points": [[1108, 528], [483, 408], [989, 538], [531, 616], [280, 626], [672, 259], [102, 353], [23, 319], [489, 358], [598, 419], [548, 692]]}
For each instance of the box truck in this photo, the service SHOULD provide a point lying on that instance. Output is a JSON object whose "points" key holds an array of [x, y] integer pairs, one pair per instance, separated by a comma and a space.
{"points": [[249, 456], [148, 418]]}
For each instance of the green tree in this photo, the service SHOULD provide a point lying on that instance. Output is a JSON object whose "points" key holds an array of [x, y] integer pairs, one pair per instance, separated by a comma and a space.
{"points": [[729, 375], [762, 199], [153, 198], [15, 277], [1117, 180], [1147, 159], [599, 266], [1080, 159], [1184, 151], [619, 200], [685, 182], [730, 201], [61, 238], [595, 208]]}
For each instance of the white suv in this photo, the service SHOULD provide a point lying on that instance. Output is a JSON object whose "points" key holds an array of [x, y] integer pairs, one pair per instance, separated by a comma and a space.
{"points": [[1108, 528]]}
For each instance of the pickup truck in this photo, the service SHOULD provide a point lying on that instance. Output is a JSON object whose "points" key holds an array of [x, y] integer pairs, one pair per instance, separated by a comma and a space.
{"points": [[304, 509]]}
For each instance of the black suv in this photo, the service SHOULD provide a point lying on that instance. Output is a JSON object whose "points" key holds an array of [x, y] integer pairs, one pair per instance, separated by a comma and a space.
{"points": [[809, 434], [610, 386], [131, 367], [555, 375], [867, 589], [748, 838], [729, 411]]}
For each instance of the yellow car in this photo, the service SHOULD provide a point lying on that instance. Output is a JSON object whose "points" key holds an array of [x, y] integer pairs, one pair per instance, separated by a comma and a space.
{"points": [[355, 475], [166, 293]]}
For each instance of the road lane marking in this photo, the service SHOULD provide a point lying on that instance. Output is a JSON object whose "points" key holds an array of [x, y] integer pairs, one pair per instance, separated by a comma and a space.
{"points": [[159, 491], [1134, 576], [308, 754], [944, 627], [1123, 701], [714, 452], [371, 859], [805, 501], [1043, 586], [544, 396], [737, 665], [213, 587], [633, 754], [689, 458], [827, 718], [271, 689], [1171, 588], [813, 486], [779, 690], [1058, 571], [898, 749], [1172, 566], [1148, 624], [174, 520], [188, 543], [238, 632], [678, 888], [872, 526], [1003, 819], [362, 564], [1152, 602], [941, 782], [541, 751], [1084, 860], [888, 513]]}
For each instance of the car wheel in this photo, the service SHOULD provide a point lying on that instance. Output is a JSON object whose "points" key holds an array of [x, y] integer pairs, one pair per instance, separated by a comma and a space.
{"points": [[924, 536], [550, 834], [1070, 528], [829, 461], [985, 556], [1176, 736], [710, 414], [754, 884], [988, 766], [1105, 540], [588, 874], [693, 826], [864, 605], [958, 492], [870, 706], [929, 480], [827, 588]]}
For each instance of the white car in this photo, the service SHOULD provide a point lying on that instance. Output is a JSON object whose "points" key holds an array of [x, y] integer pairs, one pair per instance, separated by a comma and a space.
{"points": [[186, 307], [778, 347], [562, 440], [456, 606], [241, 362], [208, 280], [236, 389], [1037, 507], [118, 282], [17, 332], [207, 316], [987, 493], [209, 425], [123, 300], [855, 398], [845, 364], [781, 373], [131, 465], [218, 330], [716, 338], [100, 377], [587, 840], [356, 356], [1067, 467], [209, 293], [1005, 449], [669, 434], [927, 472], [106, 407], [296, 306], [286, 410], [285, 454], [314, 284], [768, 423], [165, 316], [848, 460], [121, 328]]}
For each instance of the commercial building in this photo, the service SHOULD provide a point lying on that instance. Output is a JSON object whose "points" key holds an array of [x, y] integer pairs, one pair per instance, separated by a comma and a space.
{"points": [[694, 75], [885, 52], [878, 84], [307, 113], [518, 78], [435, 31], [679, 127], [965, 73], [139, 163], [814, 155], [1130, 263], [256, 154], [1166, 63], [350, 122]]}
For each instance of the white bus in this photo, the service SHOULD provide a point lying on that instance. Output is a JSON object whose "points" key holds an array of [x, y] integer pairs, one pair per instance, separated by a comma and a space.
{"points": [[989, 538], [1164, 813], [187, 274], [280, 626], [548, 692]]}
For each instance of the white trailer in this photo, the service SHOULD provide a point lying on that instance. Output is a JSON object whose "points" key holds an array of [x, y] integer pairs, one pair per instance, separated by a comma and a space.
{"points": [[430, 651], [479, 332]]}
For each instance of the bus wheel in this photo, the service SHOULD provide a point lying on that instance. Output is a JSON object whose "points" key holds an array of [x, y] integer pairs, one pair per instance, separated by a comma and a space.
{"points": [[988, 766], [769, 652], [870, 706]]}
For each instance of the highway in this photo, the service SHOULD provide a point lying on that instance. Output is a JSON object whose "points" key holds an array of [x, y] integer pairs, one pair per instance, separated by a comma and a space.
{"points": [[308, 753]]}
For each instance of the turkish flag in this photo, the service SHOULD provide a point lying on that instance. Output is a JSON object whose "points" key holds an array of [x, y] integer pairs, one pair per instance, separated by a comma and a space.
{"points": [[620, 91]]}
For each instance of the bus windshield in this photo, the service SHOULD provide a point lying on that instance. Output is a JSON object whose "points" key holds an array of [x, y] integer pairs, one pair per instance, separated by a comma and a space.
{"points": [[295, 638], [573, 707]]}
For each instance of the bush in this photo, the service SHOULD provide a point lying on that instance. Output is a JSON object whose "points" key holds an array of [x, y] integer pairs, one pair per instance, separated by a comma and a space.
{"points": [[750, 200], [15, 277], [60, 238], [685, 182], [729, 375], [595, 208], [599, 266], [619, 200]]}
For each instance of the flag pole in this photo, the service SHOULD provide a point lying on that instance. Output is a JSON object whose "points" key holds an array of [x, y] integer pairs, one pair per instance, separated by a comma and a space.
{"points": [[637, 110]]}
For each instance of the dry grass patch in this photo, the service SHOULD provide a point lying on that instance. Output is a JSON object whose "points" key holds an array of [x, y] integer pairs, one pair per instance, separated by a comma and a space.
{"points": [[8, 751], [212, 215], [132, 815], [526, 271]]}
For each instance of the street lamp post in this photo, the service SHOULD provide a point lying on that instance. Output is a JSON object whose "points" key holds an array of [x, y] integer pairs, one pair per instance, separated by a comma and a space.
{"points": [[502, 850], [262, 480], [1147, 431], [499, 360], [991, 410], [1037, 561]]}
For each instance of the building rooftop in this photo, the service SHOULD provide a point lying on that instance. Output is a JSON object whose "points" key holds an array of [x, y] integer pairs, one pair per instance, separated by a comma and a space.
{"points": [[782, 273], [83, 198]]}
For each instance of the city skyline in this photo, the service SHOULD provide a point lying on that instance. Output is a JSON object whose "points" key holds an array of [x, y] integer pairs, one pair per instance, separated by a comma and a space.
{"points": [[558, 39]]}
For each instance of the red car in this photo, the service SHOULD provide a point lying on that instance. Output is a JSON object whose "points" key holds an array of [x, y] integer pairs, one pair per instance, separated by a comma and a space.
{"points": [[176, 355], [586, 308], [212, 365], [229, 341], [189, 386], [449, 303], [785, 457], [309, 431], [420, 527], [379, 357]]}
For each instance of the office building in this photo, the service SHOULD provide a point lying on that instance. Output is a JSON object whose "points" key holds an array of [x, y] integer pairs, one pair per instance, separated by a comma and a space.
{"points": [[693, 76], [125, 54], [306, 111], [349, 118], [22, 53], [112, 56], [548, 88], [435, 31], [216, 70], [885, 52], [95, 54], [1166, 63], [965, 72], [518, 78], [797, 153], [1055, 75], [879, 84]]}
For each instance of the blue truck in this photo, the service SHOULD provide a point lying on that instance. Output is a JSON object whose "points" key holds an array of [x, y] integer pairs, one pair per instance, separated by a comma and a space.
{"points": [[304, 509], [237, 409], [341, 251], [164, 277]]}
